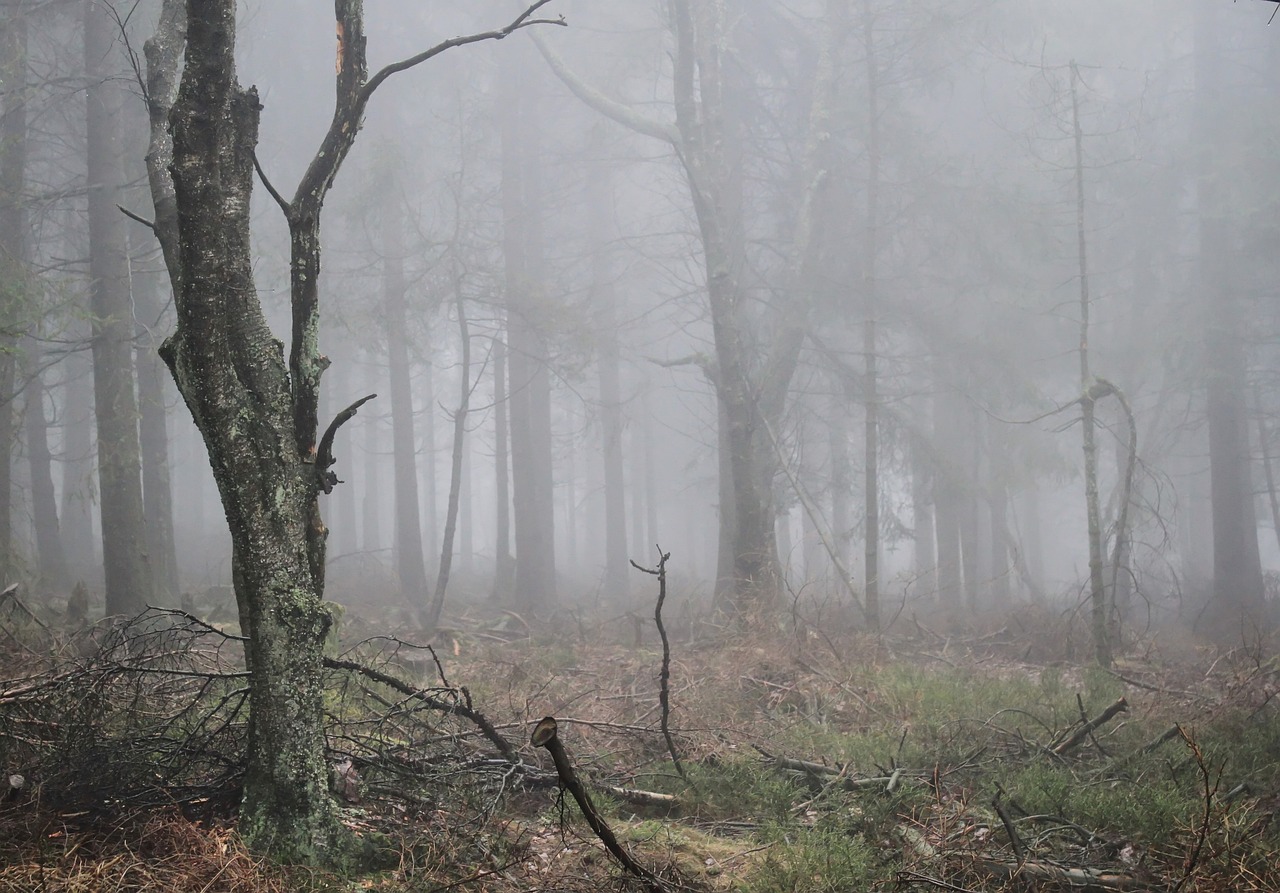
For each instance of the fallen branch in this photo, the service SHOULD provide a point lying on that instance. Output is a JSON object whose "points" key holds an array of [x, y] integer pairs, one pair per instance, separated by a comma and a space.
{"points": [[544, 735], [458, 707], [641, 798], [1087, 728], [1078, 880]]}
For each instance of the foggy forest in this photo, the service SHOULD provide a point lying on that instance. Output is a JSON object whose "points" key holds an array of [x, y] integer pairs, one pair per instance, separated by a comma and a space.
{"points": [[842, 434]]}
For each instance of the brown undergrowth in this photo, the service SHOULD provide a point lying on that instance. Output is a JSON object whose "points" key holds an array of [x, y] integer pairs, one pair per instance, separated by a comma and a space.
{"points": [[939, 757]]}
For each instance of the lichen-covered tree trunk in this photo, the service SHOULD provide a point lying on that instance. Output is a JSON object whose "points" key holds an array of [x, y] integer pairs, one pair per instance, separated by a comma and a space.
{"points": [[230, 371], [257, 414]]}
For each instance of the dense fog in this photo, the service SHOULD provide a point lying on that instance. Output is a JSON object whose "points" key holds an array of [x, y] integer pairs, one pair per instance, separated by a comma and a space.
{"points": [[817, 296]]}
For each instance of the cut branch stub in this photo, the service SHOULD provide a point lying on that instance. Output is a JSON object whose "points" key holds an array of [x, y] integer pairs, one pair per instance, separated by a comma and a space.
{"points": [[544, 732], [545, 735]]}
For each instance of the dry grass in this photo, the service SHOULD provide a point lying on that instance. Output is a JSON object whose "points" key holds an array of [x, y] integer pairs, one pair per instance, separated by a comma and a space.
{"points": [[809, 691], [164, 852]]}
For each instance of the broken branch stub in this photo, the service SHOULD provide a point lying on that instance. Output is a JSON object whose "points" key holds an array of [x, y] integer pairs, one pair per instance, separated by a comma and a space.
{"points": [[545, 734]]}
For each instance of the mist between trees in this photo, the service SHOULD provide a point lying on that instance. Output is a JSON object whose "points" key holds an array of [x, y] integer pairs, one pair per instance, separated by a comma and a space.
{"points": [[910, 308], [798, 288]]}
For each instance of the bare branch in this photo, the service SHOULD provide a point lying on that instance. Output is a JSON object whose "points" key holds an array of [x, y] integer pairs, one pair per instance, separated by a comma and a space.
{"points": [[612, 109]]}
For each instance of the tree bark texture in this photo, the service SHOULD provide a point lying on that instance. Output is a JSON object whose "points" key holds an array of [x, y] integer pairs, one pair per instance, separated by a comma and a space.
{"points": [[231, 372]]}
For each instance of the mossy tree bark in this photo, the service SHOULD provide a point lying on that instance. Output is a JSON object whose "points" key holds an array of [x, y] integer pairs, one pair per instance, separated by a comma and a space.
{"points": [[257, 412]]}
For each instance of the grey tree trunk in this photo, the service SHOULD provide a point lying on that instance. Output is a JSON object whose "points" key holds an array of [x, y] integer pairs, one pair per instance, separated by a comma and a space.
{"points": [[127, 570], [1237, 570], [153, 434], [504, 563], [871, 406], [257, 413], [925, 555], [409, 566], [52, 561], [530, 384], [77, 467], [604, 301], [456, 458], [371, 494], [13, 250], [1099, 608]]}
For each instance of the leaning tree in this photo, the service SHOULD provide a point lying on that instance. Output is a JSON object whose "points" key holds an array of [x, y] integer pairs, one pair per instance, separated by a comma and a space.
{"points": [[257, 409]]}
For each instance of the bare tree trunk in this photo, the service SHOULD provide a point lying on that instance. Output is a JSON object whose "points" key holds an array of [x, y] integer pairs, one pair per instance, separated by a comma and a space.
{"points": [[153, 435], [947, 495], [922, 487], [504, 567], [371, 494], [13, 250], [530, 384], [129, 585], [871, 424], [44, 504], [466, 526], [77, 467], [455, 468], [409, 566], [1264, 447], [1099, 611], [604, 301]]}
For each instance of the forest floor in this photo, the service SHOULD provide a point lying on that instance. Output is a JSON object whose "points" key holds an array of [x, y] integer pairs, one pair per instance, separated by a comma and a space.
{"points": [[814, 759]]}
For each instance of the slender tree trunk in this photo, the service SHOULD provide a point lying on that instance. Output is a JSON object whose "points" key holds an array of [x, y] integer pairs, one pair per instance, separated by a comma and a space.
{"points": [[129, 586], [13, 250], [427, 392], [1099, 610], [504, 564], [410, 568], [153, 436], [1237, 569], [1264, 448], [925, 555], [947, 495], [604, 302], [44, 503], [530, 383], [466, 524], [456, 457], [371, 542], [77, 467], [871, 424]]}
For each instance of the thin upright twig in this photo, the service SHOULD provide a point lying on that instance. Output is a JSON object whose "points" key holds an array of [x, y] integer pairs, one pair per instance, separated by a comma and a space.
{"points": [[664, 675]]}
